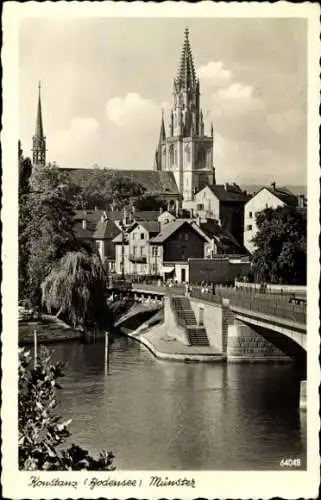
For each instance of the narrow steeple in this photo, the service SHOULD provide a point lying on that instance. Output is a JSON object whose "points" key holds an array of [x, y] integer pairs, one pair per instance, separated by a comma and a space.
{"points": [[161, 140], [39, 140], [39, 126], [185, 78], [162, 134]]}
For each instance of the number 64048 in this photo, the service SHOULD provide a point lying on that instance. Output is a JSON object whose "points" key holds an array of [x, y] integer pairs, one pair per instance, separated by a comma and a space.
{"points": [[290, 462]]}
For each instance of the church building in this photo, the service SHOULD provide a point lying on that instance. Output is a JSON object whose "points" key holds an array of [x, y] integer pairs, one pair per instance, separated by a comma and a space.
{"points": [[186, 151], [184, 157]]}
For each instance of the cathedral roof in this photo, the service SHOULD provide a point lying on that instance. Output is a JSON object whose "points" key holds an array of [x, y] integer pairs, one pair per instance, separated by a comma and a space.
{"points": [[154, 182], [185, 77]]}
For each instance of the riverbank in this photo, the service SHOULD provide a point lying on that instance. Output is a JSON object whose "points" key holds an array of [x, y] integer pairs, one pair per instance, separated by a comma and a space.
{"points": [[158, 342], [49, 330]]}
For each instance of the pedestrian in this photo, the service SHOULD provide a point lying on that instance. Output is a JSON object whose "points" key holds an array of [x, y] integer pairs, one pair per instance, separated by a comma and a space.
{"points": [[213, 288]]}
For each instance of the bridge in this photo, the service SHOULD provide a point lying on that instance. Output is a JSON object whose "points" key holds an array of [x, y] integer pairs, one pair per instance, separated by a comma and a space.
{"points": [[278, 318], [237, 324]]}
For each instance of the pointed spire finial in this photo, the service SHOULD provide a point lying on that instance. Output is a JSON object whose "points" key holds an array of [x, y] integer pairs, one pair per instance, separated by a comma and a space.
{"points": [[39, 125], [186, 75]]}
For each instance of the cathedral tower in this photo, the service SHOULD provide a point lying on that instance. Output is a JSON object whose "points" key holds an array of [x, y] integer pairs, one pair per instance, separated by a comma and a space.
{"points": [[39, 140], [187, 151]]}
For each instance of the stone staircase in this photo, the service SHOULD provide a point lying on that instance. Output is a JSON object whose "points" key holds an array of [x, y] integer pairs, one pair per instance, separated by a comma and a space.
{"points": [[196, 334]]}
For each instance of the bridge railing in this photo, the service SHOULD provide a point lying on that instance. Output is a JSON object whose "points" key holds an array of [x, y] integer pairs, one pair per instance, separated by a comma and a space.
{"points": [[278, 306]]}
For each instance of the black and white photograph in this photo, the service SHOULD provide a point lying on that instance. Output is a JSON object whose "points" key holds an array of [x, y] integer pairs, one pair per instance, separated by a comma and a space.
{"points": [[160, 254]]}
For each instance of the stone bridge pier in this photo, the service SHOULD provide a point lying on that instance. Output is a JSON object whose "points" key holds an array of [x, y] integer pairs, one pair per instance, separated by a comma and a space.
{"points": [[247, 336]]}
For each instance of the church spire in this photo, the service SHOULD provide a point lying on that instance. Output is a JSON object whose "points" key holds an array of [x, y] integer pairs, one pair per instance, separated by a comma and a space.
{"points": [[162, 134], [186, 78], [39, 140], [39, 126], [162, 139]]}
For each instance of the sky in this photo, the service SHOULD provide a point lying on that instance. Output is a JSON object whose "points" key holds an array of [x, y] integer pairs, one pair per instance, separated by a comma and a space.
{"points": [[105, 81]]}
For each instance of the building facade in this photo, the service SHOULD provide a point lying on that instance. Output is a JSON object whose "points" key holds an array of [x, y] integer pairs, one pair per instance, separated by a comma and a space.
{"points": [[154, 249], [187, 151], [225, 203], [267, 197]]}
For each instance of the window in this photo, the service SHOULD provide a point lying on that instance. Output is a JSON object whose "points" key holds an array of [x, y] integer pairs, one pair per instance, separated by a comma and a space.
{"points": [[134, 251], [200, 206], [142, 236], [186, 236], [154, 251], [134, 236], [142, 251], [249, 227], [250, 215]]}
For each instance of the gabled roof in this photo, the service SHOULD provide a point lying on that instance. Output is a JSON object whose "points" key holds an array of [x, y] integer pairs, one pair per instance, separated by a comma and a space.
{"points": [[91, 216], [106, 229], [154, 182], [170, 228], [119, 238], [283, 193], [152, 227], [228, 193], [223, 239]]}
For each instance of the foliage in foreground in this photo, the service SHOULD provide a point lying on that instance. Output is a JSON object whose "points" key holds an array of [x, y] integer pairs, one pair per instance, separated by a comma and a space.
{"points": [[41, 431], [281, 254]]}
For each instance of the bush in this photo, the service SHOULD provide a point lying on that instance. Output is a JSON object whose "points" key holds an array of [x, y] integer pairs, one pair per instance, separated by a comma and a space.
{"points": [[41, 430]]}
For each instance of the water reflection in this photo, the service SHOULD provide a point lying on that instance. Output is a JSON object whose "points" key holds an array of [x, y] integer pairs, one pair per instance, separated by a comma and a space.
{"points": [[162, 415]]}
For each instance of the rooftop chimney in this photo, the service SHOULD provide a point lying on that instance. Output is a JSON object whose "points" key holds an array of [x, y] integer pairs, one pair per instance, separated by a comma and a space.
{"points": [[226, 186], [273, 186]]}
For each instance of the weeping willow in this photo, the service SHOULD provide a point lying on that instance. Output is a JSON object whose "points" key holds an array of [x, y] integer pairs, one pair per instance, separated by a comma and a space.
{"points": [[76, 287]]}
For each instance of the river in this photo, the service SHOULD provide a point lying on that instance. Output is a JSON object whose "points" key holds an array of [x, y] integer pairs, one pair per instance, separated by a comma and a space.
{"points": [[164, 415]]}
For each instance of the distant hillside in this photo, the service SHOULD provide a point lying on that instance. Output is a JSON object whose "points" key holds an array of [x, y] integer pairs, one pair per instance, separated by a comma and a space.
{"points": [[253, 188]]}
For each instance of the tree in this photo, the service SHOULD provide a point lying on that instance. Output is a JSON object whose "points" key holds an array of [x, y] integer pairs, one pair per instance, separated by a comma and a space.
{"points": [[150, 202], [25, 170], [280, 255], [48, 228], [41, 430], [76, 287]]}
